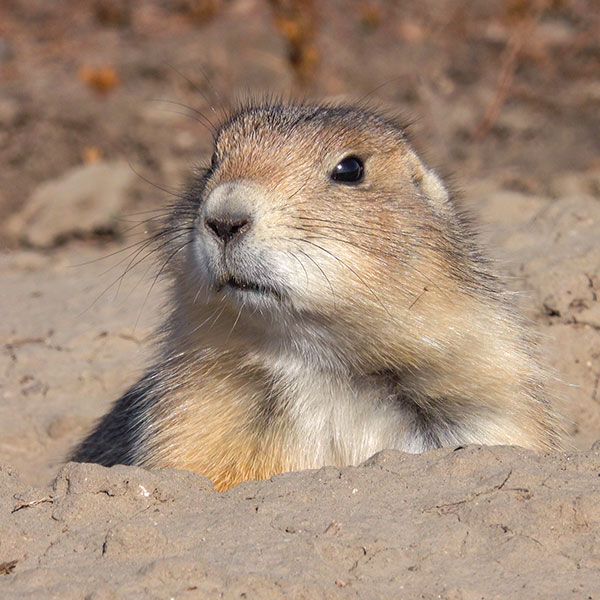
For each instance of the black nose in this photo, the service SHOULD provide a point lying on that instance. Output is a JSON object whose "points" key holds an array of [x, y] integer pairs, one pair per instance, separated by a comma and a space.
{"points": [[227, 228]]}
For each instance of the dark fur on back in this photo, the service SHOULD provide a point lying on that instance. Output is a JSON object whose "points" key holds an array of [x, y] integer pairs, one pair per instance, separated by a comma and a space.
{"points": [[116, 436]]}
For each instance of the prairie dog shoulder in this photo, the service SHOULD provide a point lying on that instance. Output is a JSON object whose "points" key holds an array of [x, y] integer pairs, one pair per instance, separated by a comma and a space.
{"points": [[328, 301]]}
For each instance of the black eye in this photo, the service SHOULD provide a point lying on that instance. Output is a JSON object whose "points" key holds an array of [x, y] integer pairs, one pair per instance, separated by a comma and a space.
{"points": [[348, 170]]}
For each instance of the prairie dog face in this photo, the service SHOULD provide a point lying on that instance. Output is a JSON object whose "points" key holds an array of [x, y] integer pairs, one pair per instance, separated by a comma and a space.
{"points": [[321, 214]]}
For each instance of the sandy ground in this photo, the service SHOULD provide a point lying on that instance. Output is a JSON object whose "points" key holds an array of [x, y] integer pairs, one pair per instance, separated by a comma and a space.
{"points": [[467, 524]]}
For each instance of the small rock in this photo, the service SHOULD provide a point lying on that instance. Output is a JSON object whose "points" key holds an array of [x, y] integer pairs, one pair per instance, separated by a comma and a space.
{"points": [[85, 200]]}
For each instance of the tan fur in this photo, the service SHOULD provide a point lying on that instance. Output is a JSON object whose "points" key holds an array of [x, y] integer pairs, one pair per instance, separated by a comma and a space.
{"points": [[383, 327], [231, 449]]}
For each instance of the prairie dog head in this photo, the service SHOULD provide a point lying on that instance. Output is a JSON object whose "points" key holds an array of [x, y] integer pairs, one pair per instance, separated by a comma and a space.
{"points": [[320, 225]]}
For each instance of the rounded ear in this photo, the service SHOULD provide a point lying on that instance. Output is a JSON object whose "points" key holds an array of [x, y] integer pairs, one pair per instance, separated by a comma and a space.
{"points": [[434, 188], [428, 183]]}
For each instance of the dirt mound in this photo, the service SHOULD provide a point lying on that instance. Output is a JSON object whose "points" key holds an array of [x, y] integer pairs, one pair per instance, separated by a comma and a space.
{"points": [[464, 524]]}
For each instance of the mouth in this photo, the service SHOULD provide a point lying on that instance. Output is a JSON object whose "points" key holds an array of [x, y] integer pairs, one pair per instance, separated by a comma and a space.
{"points": [[250, 287]]}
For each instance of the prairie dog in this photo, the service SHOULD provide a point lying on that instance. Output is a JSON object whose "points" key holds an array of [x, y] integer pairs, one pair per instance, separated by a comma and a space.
{"points": [[328, 300]]}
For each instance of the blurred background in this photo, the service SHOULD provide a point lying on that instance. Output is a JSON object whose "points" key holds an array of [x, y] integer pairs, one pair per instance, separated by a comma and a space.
{"points": [[508, 90]]}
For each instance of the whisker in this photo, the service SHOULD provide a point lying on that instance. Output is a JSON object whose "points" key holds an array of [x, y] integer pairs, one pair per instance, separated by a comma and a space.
{"points": [[156, 185], [362, 99], [296, 192], [205, 120], [236, 320], [379, 251], [133, 263], [318, 267], [109, 255], [165, 263], [343, 263], [186, 114], [198, 89], [301, 264], [218, 316], [190, 333], [373, 229]]}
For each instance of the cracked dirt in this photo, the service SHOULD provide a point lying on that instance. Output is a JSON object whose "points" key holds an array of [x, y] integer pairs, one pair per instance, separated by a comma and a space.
{"points": [[78, 102]]}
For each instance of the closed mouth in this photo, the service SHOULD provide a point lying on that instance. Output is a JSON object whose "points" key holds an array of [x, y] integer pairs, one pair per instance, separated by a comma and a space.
{"points": [[240, 284]]}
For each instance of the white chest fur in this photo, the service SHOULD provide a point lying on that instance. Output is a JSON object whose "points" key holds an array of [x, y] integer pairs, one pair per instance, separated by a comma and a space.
{"points": [[336, 419]]}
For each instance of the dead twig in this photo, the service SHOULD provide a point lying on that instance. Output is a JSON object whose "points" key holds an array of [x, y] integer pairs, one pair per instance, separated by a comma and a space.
{"points": [[32, 503], [6, 568]]}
